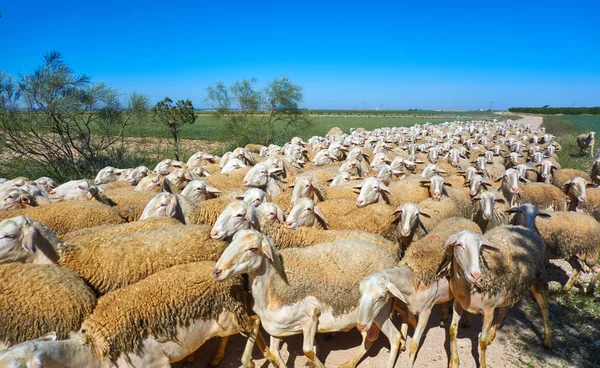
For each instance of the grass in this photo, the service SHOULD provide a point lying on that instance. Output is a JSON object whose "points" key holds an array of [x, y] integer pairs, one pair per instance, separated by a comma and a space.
{"points": [[566, 128], [208, 128]]}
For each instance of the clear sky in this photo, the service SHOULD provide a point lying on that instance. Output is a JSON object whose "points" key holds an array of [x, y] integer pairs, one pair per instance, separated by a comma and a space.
{"points": [[396, 54]]}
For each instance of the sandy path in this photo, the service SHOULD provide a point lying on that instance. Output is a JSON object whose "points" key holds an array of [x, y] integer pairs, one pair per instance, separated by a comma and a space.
{"points": [[534, 120]]}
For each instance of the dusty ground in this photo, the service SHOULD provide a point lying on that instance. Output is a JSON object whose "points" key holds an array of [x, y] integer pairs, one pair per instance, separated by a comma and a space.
{"points": [[534, 120]]}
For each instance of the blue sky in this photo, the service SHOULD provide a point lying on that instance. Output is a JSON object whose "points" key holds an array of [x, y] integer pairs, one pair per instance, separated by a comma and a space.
{"points": [[395, 54]]}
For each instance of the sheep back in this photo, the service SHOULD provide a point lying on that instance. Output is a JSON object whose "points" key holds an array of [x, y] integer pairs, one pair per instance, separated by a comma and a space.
{"points": [[159, 305], [110, 262], [561, 176], [569, 234], [37, 299], [544, 196]]}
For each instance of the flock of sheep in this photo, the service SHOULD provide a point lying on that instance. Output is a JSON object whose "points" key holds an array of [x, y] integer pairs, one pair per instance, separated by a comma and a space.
{"points": [[139, 267]]}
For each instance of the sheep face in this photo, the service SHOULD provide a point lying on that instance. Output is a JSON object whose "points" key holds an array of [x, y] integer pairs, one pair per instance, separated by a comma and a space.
{"points": [[409, 218], [47, 183], [487, 200], [245, 254], [371, 190], [233, 164], [304, 213], [436, 186], [107, 175], [74, 189], [136, 175], [575, 189], [476, 185], [178, 179], [375, 294], [166, 166], [379, 159], [162, 205], [257, 176], [17, 239], [547, 168], [15, 198], [322, 158], [254, 197], [151, 183], [303, 187], [197, 191], [200, 158], [431, 170], [236, 216], [268, 211], [525, 215], [340, 178], [385, 174], [467, 246]]}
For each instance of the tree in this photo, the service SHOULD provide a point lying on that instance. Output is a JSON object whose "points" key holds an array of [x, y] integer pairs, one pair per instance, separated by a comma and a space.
{"points": [[61, 120], [268, 115], [174, 117]]}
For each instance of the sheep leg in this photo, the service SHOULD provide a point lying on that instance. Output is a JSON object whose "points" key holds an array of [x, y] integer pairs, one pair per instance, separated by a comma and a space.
{"points": [[395, 337], [499, 318], [253, 326], [220, 353], [416, 338], [308, 345], [274, 352], [404, 315], [443, 314], [543, 304], [595, 275], [457, 311], [466, 320], [358, 353], [574, 274], [488, 318]]}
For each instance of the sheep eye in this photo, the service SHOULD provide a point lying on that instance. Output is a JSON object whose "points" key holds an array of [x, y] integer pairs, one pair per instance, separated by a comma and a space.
{"points": [[253, 250], [239, 215]]}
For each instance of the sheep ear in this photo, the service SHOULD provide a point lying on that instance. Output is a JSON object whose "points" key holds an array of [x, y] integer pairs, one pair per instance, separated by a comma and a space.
{"points": [[423, 213], [187, 175], [500, 200], [485, 184], [384, 188], [330, 180], [172, 208], [251, 217], [450, 241], [424, 183], [448, 184], [51, 336], [395, 292], [358, 186], [280, 215], [29, 236], [267, 248], [485, 244], [212, 190], [544, 215], [398, 210], [590, 185], [166, 185], [319, 214], [523, 180], [239, 197], [475, 199]]}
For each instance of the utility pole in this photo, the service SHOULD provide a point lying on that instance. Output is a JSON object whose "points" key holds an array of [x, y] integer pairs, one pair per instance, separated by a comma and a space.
{"points": [[365, 105], [491, 105]]}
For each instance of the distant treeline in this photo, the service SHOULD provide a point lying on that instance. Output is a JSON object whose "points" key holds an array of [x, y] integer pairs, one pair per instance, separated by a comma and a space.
{"points": [[557, 110]]}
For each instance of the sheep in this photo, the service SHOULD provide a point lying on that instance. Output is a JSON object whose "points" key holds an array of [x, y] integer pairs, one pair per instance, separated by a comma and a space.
{"points": [[233, 164], [136, 175], [510, 186], [36, 299], [572, 236], [46, 183], [254, 197], [576, 192], [585, 141], [186, 211], [107, 259], [164, 205], [545, 196], [166, 166], [487, 215], [513, 262], [414, 221], [151, 183], [16, 182], [595, 172], [592, 205], [100, 232], [198, 191], [561, 176], [325, 299], [66, 216], [416, 281], [130, 205], [176, 180], [75, 189], [199, 159], [372, 191], [307, 186], [16, 198], [322, 158], [288, 231], [107, 175], [227, 182], [408, 189], [341, 178], [156, 322]]}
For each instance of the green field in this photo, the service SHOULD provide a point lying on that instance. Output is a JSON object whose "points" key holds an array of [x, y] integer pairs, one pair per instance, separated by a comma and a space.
{"points": [[207, 127], [566, 128]]}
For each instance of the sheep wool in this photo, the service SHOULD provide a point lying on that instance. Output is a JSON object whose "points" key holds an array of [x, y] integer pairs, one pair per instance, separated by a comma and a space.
{"points": [[126, 228], [543, 196], [37, 299], [160, 304], [519, 263], [425, 256], [561, 176], [131, 204], [569, 234], [108, 263], [335, 268], [66, 216]]}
